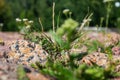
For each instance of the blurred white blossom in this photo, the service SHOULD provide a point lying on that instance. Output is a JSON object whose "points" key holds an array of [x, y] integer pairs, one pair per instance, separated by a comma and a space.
{"points": [[65, 11], [107, 1], [30, 21], [117, 4], [1, 24], [28, 26], [18, 19], [25, 19]]}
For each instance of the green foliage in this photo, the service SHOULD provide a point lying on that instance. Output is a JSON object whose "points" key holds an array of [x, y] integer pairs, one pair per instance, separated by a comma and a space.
{"points": [[93, 46], [67, 28], [81, 72], [43, 8], [59, 71], [63, 45], [93, 73], [5, 15], [21, 73]]}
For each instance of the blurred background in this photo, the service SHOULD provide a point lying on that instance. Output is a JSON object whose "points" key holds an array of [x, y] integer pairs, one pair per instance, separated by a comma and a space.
{"points": [[33, 9]]}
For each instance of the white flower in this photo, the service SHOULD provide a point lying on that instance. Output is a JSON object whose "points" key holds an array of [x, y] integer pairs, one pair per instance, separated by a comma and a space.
{"points": [[18, 19], [107, 1], [30, 21], [1, 24], [117, 4], [25, 19], [65, 11], [28, 26]]}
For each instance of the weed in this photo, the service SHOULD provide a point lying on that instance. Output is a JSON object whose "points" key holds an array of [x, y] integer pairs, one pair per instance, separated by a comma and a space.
{"points": [[21, 73]]}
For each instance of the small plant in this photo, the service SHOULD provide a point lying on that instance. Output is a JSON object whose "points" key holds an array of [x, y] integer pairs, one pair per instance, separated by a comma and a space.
{"points": [[25, 26], [21, 73]]}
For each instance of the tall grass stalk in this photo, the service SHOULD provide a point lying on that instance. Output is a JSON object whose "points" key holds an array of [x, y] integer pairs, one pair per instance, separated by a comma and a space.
{"points": [[108, 13], [41, 24], [53, 16], [85, 21], [58, 19], [101, 21]]}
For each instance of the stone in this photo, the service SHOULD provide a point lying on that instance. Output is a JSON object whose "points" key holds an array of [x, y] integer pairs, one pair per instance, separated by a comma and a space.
{"points": [[26, 52]]}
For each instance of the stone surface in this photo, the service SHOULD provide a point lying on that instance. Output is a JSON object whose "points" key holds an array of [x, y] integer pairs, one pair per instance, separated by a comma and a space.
{"points": [[109, 39], [116, 50], [8, 71], [26, 52], [101, 59]]}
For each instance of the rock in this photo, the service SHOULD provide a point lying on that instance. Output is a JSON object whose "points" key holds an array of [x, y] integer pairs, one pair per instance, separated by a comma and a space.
{"points": [[116, 50], [109, 39], [36, 76], [100, 59], [8, 71], [26, 52]]}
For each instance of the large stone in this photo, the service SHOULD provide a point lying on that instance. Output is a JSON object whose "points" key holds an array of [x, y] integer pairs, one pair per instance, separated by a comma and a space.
{"points": [[101, 59], [26, 52]]}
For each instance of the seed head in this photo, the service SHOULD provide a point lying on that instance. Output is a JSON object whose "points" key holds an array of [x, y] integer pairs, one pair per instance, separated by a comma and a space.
{"points": [[65, 11]]}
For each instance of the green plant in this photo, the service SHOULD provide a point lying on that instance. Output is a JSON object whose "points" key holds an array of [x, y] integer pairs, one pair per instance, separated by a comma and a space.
{"points": [[21, 73], [26, 27], [67, 29], [59, 71]]}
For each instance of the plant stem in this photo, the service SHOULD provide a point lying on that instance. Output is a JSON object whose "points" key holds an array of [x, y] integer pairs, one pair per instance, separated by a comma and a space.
{"points": [[86, 19], [53, 16], [58, 20], [101, 21], [41, 25], [108, 14]]}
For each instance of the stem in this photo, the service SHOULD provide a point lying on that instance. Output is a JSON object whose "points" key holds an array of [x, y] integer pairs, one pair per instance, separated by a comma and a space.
{"points": [[108, 14], [58, 20], [101, 21], [53, 16], [86, 19], [41, 25], [107, 20]]}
